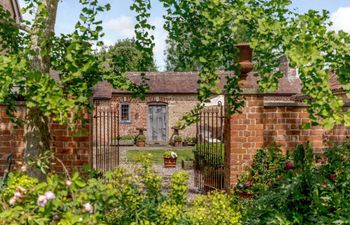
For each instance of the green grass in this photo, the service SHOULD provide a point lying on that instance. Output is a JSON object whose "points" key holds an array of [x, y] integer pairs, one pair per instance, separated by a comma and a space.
{"points": [[157, 155]]}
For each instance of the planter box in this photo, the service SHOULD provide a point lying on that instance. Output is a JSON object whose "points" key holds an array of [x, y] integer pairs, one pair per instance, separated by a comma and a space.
{"points": [[187, 164], [126, 142], [189, 144], [169, 162]]}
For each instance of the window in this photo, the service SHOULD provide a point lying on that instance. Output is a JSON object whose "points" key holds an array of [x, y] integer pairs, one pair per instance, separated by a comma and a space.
{"points": [[125, 113]]}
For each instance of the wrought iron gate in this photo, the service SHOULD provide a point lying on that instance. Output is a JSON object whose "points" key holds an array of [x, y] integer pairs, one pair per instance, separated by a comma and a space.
{"points": [[105, 137], [209, 153]]}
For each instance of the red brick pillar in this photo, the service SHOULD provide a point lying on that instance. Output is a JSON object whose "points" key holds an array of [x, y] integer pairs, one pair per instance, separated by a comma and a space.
{"points": [[244, 135]]}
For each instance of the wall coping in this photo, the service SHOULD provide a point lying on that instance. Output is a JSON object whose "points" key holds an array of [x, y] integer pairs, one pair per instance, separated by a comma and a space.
{"points": [[251, 91], [284, 104]]}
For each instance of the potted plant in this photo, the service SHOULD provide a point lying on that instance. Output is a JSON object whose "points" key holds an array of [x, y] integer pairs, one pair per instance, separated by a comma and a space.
{"points": [[177, 141], [170, 159], [141, 141], [187, 163], [190, 141]]}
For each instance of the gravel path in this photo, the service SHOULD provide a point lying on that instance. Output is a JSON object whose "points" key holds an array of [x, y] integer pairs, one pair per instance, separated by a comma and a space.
{"points": [[166, 173]]}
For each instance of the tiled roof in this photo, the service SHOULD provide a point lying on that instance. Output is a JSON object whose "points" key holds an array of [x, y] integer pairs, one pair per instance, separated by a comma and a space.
{"points": [[186, 83]]}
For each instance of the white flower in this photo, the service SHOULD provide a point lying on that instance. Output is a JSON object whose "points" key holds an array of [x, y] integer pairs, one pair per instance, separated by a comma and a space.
{"points": [[24, 168], [50, 195], [42, 200], [173, 155], [68, 183], [13, 200], [88, 207], [18, 194]]}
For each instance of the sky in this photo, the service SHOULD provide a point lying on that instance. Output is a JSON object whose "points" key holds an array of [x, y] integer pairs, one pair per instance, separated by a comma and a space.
{"points": [[118, 23]]}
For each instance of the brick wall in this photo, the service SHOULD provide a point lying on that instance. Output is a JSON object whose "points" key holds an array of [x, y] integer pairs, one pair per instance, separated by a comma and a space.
{"points": [[70, 148], [263, 123]]}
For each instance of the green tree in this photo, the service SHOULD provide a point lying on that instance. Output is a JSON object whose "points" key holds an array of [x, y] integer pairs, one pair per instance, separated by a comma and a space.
{"points": [[124, 55], [178, 57], [33, 51], [273, 29]]}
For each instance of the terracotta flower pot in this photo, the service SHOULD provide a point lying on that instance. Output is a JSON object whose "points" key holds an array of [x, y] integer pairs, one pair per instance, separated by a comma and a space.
{"points": [[169, 162], [178, 144], [140, 144]]}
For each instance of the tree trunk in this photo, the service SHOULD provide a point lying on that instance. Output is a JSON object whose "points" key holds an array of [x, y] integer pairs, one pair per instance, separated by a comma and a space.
{"points": [[37, 131], [37, 136]]}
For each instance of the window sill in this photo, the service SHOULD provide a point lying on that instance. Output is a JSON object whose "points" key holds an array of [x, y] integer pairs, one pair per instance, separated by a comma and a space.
{"points": [[125, 122]]}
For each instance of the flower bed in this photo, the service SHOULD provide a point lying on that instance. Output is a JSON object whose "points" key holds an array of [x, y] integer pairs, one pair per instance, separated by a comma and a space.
{"points": [[120, 197]]}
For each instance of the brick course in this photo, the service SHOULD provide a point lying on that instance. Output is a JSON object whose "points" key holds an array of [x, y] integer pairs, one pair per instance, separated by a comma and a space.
{"points": [[177, 105], [72, 150], [262, 124]]}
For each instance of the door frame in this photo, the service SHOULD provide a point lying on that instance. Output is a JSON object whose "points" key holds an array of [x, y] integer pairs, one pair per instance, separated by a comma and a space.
{"points": [[166, 119]]}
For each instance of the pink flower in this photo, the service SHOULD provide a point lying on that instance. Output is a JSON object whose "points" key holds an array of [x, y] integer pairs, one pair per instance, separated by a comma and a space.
{"points": [[13, 201], [324, 185], [88, 207], [24, 168], [289, 166], [18, 194], [42, 200], [50, 195], [68, 183], [333, 176], [248, 184]]}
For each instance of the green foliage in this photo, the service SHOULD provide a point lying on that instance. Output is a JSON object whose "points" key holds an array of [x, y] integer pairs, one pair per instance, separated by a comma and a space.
{"points": [[15, 181], [268, 166], [177, 56], [170, 154], [177, 138], [191, 139], [119, 197], [212, 29], [31, 56], [126, 137], [141, 138], [124, 56], [216, 209], [302, 188]]}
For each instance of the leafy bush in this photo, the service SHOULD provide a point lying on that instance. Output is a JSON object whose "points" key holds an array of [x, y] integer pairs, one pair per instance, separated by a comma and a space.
{"points": [[301, 188], [119, 197], [126, 138], [141, 138], [191, 140], [177, 138]]}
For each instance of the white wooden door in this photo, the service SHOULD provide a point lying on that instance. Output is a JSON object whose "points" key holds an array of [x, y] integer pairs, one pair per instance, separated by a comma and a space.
{"points": [[157, 123]]}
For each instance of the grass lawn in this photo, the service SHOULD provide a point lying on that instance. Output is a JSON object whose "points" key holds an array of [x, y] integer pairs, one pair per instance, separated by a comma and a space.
{"points": [[157, 155]]}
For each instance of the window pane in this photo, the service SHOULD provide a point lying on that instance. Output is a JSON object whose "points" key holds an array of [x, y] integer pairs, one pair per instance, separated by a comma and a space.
{"points": [[125, 112]]}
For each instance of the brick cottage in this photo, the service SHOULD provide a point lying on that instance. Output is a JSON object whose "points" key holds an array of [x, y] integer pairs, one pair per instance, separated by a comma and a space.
{"points": [[266, 118], [171, 95]]}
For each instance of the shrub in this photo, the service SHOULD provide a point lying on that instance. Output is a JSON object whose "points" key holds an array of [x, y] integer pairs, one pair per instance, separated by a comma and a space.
{"points": [[126, 138], [119, 197], [177, 138], [302, 188], [140, 138], [170, 154]]}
